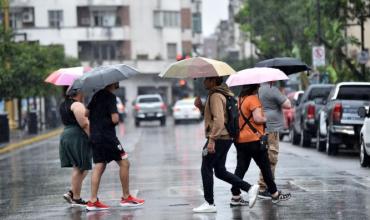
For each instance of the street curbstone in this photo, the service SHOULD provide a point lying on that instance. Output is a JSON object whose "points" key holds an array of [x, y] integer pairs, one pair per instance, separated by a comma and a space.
{"points": [[13, 146]]}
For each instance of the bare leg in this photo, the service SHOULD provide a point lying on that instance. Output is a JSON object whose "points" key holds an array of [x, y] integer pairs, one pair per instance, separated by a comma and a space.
{"points": [[124, 166], [77, 178], [95, 180]]}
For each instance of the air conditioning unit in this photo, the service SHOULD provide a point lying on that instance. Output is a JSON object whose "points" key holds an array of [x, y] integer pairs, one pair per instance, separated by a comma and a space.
{"points": [[27, 16]]}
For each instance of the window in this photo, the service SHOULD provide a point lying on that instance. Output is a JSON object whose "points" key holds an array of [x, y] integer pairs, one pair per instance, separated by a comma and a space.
{"points": [[171, 50], [166, 19], [104, 18], [55, 18], [197, 23], [100, 50]]}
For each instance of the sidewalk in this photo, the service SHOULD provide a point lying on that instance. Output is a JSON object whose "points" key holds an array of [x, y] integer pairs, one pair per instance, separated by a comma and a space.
{"points": [[21, 138]]}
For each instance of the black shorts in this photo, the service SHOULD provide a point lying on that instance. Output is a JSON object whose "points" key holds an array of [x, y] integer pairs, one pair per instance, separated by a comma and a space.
{"points": [[107, 151]]}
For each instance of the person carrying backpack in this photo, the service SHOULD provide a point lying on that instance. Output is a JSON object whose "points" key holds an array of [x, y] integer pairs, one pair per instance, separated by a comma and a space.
{"points": [[248, 144], [217, 145]]}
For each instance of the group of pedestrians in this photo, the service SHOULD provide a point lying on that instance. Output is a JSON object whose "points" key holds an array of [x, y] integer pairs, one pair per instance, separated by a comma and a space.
{"points": [[90, 134], [252, 122]]}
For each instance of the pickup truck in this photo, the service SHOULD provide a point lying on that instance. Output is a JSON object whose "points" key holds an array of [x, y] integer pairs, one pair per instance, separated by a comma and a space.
{"points": [[306, 114], [339, 123]]}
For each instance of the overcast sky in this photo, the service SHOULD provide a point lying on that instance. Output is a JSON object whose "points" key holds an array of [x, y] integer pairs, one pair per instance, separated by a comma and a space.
{"points": [[213, 12]]}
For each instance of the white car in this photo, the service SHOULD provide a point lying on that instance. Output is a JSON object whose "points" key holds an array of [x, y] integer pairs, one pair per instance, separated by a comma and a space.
{"points": [[365, 137], [184, 109]]}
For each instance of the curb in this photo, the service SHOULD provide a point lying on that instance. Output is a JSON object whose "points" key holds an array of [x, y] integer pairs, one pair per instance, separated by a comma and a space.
{"points": [[38, 138]]}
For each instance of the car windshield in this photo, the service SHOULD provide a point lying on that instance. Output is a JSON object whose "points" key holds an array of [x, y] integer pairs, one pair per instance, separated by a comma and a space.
{"points": [[149, 100], [354, 92], [319, 93]]}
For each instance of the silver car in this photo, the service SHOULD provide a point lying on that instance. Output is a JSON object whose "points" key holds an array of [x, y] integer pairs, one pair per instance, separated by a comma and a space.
{"points": [[150, 108]]}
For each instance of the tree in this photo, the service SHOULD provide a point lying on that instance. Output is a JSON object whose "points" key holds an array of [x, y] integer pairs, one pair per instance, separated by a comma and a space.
{"points": [[292, 30]]}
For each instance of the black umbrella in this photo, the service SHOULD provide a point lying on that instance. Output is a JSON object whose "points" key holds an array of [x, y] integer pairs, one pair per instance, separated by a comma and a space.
{"points": [[288, 65]]}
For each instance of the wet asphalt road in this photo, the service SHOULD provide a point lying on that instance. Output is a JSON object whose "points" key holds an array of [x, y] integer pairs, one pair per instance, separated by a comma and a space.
{"points": [[165, 171]]}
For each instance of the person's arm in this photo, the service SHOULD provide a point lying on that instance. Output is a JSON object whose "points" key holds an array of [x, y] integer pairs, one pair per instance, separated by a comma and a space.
{"points": [[114, 111], [258, 117], [79, 112], [199, 105], [281, 99], [218, 113]]}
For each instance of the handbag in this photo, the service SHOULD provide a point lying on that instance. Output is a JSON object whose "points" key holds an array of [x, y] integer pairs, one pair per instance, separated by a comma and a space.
{"points": [[263, 137]]}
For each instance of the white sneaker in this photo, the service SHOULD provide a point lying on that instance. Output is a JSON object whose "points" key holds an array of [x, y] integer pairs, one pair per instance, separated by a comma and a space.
{"points": [[205, 207], [252, 195]]}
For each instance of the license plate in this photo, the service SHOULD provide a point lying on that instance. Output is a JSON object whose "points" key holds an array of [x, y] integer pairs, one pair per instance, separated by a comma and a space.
{"points": [[150, 114]]}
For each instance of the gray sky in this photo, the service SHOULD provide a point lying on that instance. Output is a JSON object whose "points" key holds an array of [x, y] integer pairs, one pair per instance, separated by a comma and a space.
{"points": [[213, 12]]}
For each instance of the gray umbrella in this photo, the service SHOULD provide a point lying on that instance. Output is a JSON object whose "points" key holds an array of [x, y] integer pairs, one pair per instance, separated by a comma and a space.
{"points": [[288, 65], [101, 76]]}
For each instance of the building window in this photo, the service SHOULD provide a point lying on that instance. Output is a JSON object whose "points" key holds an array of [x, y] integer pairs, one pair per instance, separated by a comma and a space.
{"points": [[55, 18], [104, 18], [171, 50], [102, 50], [197, 23], [21, 17], [166, 19]]}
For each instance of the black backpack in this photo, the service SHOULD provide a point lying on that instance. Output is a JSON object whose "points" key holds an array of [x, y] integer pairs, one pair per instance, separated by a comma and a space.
{"points": [[232, 123]]}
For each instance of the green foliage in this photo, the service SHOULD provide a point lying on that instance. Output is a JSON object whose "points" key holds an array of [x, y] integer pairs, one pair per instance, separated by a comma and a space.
{"points": [[25, 65], [292, 30]]}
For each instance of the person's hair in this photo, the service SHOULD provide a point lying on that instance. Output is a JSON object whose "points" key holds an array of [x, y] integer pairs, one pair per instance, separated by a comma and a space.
{"points": [[248, 90], [218, 80]]}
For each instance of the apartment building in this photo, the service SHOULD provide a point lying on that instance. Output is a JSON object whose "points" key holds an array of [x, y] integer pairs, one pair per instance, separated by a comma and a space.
{"points": [[146, 34]]}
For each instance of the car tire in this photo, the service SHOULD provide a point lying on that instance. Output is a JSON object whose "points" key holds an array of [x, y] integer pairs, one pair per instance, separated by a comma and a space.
{"points": [[306, 139], [364, 157], [295, 137], [137, 123], [176, 122], [331, 149], [320, 142], [163, 122]]}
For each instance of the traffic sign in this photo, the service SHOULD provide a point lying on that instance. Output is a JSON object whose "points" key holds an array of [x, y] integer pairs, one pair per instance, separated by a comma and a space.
{"points": [[363, 56], [318, 56]]}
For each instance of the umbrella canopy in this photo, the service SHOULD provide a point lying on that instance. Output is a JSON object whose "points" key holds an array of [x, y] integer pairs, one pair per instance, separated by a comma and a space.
{"points": [[255, 75], [66, 76], [101, 76], [288, 65], [197, 67]]}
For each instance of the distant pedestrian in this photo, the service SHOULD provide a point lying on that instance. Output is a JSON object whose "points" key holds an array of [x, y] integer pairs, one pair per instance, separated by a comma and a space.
{"points": [[273, 101], [217, 146], [74, 149], [103, 115], [248, 145]]}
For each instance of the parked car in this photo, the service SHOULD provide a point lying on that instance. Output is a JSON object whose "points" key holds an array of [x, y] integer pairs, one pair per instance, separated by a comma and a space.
{"points": [[306, 114], [150, 108], [340, 124], [365, 137], [288, 114], [121, 110], [184, 110]]}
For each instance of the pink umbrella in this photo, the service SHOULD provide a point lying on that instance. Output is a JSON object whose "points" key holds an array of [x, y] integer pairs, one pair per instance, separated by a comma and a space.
{"points": [[66, 76], [255, 75]]}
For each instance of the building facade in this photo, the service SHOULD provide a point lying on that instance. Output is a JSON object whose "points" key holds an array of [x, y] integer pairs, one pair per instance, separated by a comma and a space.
{"points": [[145, 34]]}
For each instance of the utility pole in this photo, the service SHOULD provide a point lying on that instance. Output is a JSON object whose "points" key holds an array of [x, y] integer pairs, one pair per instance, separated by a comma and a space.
{"points": [[318, 10], [362, 18], [9, 103]]}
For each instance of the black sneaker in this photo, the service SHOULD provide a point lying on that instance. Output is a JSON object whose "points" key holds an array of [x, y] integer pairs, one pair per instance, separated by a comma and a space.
{"points": [[238, 202], [264, 195], [79, 203], [281, 197], [68, 196]]}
